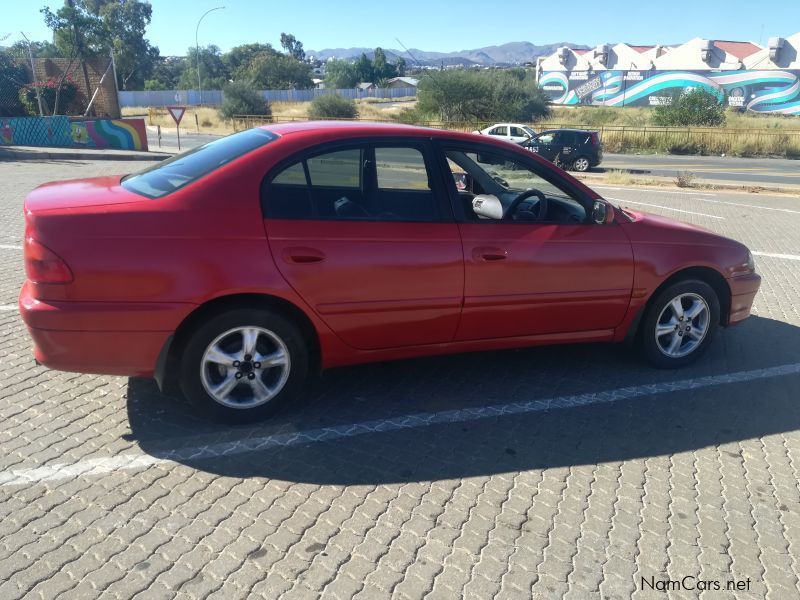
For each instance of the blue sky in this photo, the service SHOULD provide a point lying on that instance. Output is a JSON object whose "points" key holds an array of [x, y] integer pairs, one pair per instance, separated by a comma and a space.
{"points": [[439, 25]]}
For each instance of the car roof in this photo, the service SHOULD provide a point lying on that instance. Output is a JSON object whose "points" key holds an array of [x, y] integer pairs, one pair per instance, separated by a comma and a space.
{"points": [[348, 129], [568, 129], [510, 124]]}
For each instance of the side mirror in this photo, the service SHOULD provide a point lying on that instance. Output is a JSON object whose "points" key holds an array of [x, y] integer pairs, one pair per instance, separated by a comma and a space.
{"points": [[602, 213], [487, 206]]}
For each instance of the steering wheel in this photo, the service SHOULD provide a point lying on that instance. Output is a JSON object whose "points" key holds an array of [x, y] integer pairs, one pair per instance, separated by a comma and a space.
{"points": [[524, 196]]}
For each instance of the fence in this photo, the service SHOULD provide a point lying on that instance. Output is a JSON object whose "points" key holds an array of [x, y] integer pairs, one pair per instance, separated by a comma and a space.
{"points": [[162, 98], [618, 138]]}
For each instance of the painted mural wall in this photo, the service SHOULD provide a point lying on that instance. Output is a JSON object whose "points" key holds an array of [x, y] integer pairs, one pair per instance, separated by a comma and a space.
{"points": [[60, 131], [767, 91]]}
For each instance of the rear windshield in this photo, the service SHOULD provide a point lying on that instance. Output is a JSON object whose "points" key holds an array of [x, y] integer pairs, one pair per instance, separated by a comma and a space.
{"points": [[176, 172]]}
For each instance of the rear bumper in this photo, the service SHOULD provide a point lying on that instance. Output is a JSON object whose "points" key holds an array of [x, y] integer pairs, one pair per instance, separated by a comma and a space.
{"points": [[111, 338], [743, 292]]}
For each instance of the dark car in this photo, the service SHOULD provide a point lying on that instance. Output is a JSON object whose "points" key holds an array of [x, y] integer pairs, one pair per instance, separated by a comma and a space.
{"points": [[577, 149]]}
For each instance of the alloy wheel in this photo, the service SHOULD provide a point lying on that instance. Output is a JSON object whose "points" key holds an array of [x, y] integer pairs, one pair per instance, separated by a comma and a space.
{"points": [[245, 367], [682, 325]]}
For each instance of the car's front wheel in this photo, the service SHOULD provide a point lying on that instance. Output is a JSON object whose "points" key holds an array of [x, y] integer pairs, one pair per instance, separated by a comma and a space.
{"points": [[241, 365], [679, 324]]}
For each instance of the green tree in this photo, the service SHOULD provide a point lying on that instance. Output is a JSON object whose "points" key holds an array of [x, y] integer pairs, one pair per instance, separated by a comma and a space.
{"points": [[279, 72], [400, 66], [78, 35], [76, 32], [365, 70], [481, 96], [382, 68], [13, 76], [332, 106], [340, 74], [125, 22], [696, 107], [213, 74], [292, 46], [239, 58], [44, 49], [241, 98], [166, 73]]}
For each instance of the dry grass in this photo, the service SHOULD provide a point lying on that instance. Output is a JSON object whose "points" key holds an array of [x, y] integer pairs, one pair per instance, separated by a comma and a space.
{"points": [[208, 119], [622, 178]]}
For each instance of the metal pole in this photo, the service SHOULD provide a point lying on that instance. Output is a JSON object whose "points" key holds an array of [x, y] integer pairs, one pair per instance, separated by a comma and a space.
{"points": [[197, 49], [33, 74]]}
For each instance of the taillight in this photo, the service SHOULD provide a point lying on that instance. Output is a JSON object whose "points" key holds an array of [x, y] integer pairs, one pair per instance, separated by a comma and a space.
{"points": [[595, 138], [42, 265]]}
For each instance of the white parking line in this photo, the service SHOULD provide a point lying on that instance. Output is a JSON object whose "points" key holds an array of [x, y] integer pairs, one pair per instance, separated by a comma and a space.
{"points": [[773, 208], [773, 255], [99, 466], [624, 202], [9, 247]]}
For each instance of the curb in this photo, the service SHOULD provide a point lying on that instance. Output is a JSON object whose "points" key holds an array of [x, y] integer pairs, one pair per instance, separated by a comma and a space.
{"points": [[14, 155]]}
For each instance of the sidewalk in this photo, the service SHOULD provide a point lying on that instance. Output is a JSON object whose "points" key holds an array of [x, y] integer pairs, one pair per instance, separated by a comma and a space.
{"points": [[14, 153]]}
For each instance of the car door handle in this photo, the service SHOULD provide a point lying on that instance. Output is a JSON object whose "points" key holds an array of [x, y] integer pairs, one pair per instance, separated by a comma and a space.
{"points": [[489, 254], [302, 255]]}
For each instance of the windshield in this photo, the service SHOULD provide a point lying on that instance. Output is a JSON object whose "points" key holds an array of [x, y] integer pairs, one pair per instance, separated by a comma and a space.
{"points": [[176, 172]]}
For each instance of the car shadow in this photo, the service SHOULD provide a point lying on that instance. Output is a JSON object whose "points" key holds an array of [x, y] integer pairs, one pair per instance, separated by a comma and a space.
{"points": [[649, 423]]}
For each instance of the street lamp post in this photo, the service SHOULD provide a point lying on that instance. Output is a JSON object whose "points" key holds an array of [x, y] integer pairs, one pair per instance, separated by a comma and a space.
{"points": [[197, 49]]}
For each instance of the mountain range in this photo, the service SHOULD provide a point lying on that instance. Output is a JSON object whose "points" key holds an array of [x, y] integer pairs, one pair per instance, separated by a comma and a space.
{"points": [[512, 53]]}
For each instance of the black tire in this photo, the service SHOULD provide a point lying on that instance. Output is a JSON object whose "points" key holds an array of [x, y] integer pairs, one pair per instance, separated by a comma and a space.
{"points": [[648, 341], [581, 164], [191, 359]]}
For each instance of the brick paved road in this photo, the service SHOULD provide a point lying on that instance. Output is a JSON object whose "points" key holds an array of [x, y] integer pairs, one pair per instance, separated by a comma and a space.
{"points": [[109, 489]]}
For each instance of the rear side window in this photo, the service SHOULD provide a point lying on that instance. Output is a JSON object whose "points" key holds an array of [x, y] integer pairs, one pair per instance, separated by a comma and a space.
{"points": [[178, 171], [502, 130], [336, 169], [372, 183]]}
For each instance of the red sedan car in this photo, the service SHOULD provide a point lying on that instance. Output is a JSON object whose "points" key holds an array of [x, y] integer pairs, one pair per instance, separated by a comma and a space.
{"points": [[235, 269]]}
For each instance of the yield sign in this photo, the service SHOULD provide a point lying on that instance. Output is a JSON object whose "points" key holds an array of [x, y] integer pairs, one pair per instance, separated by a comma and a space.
{"points": [[177, 113]]}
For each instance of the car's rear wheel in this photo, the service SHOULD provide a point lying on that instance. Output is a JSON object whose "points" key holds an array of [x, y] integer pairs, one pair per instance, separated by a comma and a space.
{"points": [[581, 164], [241, 365], [679, 324]]}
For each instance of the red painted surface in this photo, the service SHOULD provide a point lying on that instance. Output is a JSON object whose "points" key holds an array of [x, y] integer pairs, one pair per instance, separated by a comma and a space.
{"points": [[372, 290]]}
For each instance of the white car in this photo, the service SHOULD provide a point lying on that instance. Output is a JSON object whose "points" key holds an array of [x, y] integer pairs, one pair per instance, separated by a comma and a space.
{"points": [[511, 132]]}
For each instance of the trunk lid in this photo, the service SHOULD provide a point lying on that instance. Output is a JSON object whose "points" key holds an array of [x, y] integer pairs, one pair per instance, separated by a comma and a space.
{"points": [[80, 193]]}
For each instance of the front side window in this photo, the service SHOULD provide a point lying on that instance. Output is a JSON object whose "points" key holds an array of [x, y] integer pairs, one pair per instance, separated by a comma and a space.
{"points": [[382, 183], [178, 171], [546, 138], [401, 169], [497, 187], [518, 132]]}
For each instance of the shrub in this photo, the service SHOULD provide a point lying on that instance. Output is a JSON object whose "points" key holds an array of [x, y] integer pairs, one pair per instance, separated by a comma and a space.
{"points": [[482, 96], [241, 98], [684, 179], [47, 90], [332, 106], [697, 107]]}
